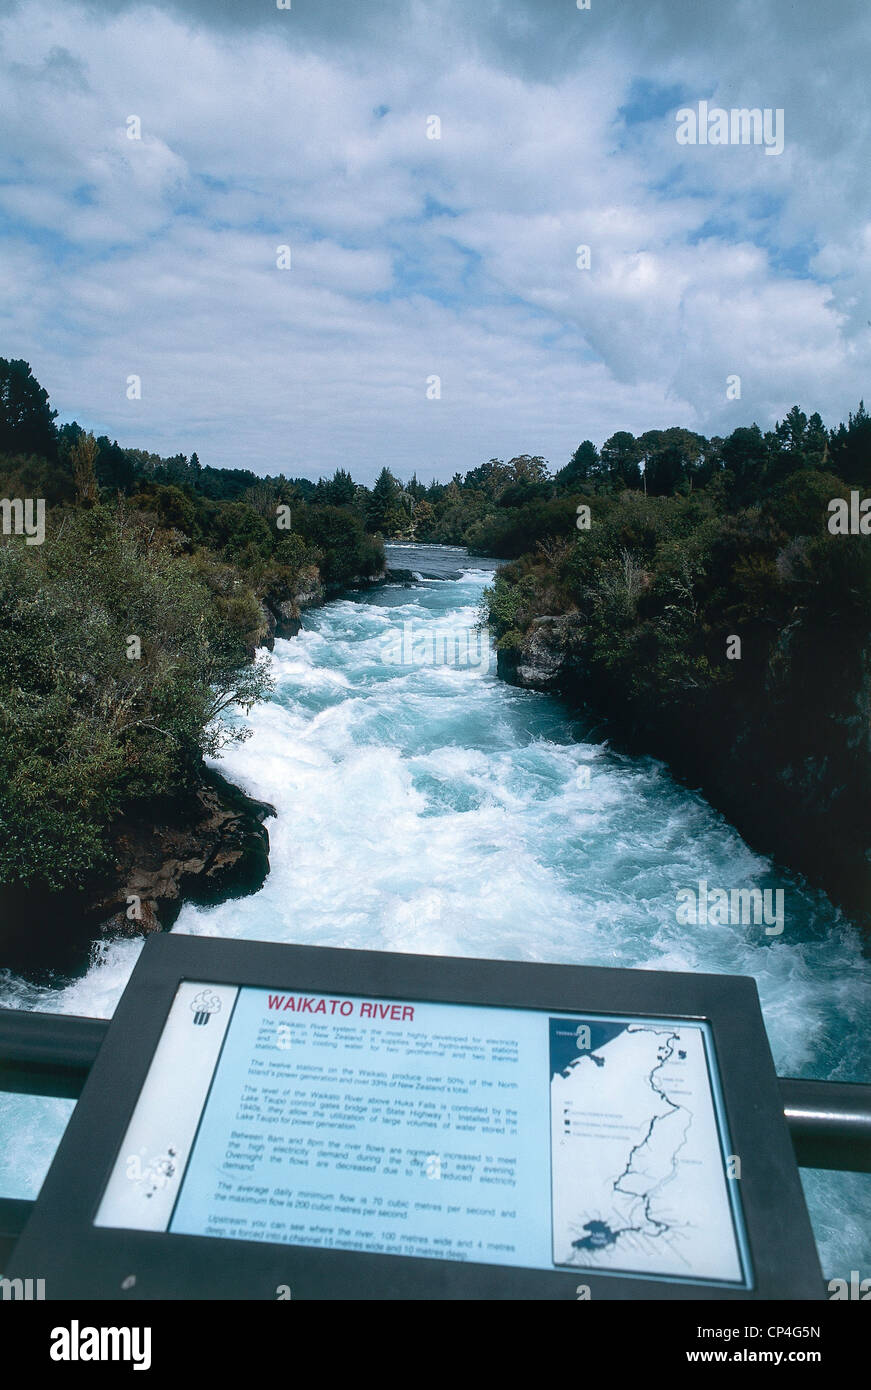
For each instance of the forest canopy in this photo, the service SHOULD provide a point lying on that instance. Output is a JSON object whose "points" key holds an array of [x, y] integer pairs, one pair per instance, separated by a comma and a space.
{"points": [[686, 537]]}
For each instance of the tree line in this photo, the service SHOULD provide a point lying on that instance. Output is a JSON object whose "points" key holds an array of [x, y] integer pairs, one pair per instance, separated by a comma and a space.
{"points": [[690, 539]]}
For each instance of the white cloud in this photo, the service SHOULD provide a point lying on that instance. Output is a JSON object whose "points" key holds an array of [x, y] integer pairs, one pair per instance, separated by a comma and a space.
{"points": [[157, 256]]}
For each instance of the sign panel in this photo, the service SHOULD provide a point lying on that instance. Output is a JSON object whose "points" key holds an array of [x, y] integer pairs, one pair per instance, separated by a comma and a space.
{"points": [[503, 1136], [357, 1124], [642, 1173]]}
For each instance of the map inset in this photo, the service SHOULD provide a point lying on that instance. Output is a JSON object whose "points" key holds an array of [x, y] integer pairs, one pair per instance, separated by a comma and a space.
{"points": [[638, 1171]]}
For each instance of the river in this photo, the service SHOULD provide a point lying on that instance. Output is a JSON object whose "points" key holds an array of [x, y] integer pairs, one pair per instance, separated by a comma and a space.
{"points": [[424, 805]]}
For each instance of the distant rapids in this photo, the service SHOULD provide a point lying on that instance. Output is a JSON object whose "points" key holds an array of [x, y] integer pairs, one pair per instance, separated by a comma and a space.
{"points": [[425, 806]]}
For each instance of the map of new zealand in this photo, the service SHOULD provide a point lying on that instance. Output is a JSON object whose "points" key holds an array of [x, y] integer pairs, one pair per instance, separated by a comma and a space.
{"points": [[639, 1179]]}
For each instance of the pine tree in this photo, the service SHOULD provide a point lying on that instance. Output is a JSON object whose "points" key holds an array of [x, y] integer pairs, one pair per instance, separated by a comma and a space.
{"points": [[581, 467], [83, 458], [382, 500], [620, 459], [26, 418]]}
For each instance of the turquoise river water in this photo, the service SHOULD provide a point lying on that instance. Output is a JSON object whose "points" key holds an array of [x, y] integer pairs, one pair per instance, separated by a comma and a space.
{"points": [[424, 805]]}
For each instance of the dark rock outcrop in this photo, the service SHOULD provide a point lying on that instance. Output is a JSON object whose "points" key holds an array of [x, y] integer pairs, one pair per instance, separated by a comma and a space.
{"points": [[366, 581], [404, 576], [269, 628], [286, 618], [783, 749], [283, 611], [204, 846], [310, 592], [551, 648]]}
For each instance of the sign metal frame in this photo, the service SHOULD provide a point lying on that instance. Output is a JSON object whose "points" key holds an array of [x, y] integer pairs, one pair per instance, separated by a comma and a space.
{"points": [[80, 1260]]}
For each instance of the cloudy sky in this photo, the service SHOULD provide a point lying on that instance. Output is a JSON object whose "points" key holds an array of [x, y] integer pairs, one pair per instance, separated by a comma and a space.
{"points": [[414, 257]]}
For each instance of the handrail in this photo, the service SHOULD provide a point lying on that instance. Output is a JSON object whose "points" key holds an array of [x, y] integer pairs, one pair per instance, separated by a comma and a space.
{"points": [[51, 1055], [44, 1054], [829, 1123]]}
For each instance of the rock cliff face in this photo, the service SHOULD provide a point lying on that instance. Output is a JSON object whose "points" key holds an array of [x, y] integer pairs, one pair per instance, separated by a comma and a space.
{"points": [[783, 750], [205, 846], [551, 650], [405, 576], [362, 581], [282, 614]]}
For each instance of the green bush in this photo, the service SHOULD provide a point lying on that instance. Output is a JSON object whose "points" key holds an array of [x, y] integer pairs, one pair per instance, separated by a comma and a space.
{"points": [[347, 550], [85, 729]]}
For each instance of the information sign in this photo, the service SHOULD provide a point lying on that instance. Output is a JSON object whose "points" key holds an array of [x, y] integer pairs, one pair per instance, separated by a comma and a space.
{"points": [[392, 1125]]}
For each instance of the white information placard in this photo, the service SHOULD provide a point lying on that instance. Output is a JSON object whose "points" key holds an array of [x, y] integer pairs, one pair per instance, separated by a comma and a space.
{"points": [[457, 1132]]}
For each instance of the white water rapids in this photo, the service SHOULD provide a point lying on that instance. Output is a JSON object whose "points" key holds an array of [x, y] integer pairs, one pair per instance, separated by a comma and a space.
{"points": [[429, 807]]}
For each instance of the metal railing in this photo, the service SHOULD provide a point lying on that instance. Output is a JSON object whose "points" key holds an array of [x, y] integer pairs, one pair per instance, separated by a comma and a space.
{"points": [[51, 1055]]}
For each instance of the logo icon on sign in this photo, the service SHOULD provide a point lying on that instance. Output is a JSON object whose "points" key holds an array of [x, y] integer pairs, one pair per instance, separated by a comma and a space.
{"points": [[204, 1005]]}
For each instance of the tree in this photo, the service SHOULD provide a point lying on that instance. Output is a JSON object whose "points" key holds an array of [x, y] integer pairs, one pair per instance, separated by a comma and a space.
{"points": [[491, 478], [816, 443], [424, 516], [397, 520], [745, 457], [791, 430], [26, 417], [242, 534], [115, 468], [263, 497], [529, 468], [581, 467], [347, 552], [788, 451], [173, 510], [670, 458], [851, 448], [620, 458], [83, 457], [341, 489], [382, 501], [87, 731]]}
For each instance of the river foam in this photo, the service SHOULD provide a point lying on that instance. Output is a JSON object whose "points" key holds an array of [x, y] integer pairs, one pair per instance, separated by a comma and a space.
{"points": [[431, 808]]}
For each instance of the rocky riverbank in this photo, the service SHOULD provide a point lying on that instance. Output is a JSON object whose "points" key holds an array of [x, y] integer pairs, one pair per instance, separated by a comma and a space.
{"points": [[783, 750], [204, 846], [282, 613]]}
